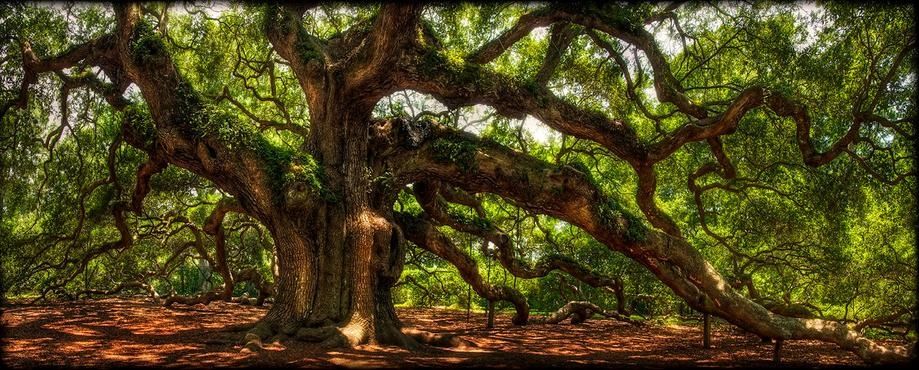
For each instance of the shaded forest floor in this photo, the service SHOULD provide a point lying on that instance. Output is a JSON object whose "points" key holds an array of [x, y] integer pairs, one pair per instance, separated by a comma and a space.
{"points": [[136, 332]]}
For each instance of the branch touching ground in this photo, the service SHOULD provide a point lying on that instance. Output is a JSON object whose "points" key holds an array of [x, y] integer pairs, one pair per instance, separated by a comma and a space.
{"points": [[580, 311], [567, 194]]}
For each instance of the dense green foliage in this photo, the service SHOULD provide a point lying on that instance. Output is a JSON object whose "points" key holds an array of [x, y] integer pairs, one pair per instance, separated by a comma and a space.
{"points": [[838, 237]]}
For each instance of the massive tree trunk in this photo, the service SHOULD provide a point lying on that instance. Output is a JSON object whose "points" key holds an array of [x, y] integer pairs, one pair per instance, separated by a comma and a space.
{"points": [[319, 289], [338, 251]]}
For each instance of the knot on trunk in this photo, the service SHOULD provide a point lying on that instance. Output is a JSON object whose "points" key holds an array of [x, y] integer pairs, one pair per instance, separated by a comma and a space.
{"points": [[393, 133]]}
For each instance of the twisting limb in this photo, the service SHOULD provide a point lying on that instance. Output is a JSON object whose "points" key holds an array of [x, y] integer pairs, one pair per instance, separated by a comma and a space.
{"points": [[526, 23], [155, 164], [647, 187], [119, 208], [581, 311], [568, 195], [877, 321], [430, 196], [461, 85], [214, 227], [262, 122], [131, 285], [560, 37], [422, 233]]}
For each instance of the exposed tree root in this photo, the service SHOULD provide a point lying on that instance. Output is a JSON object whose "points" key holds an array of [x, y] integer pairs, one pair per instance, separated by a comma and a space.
{"points": [[239, 327], [347, 336]]}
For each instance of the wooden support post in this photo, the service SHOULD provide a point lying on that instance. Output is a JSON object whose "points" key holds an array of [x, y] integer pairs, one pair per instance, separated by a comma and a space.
{"points": [[468, 304], [491, 315], [468, 288], [707, 331], [777, 353]]}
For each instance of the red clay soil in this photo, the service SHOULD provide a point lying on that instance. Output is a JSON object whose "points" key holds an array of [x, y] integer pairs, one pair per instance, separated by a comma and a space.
{"points": [[137, 332]]}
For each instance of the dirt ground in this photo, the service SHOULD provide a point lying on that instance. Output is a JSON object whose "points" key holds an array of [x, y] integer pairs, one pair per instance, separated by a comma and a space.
{"points": [[137, 332]]}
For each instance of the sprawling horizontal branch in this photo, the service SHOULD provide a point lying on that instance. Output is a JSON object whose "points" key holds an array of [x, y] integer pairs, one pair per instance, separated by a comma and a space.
{"points": [[565, 193], [130, 285], [468, 83], [429, 196], [465, 83]]}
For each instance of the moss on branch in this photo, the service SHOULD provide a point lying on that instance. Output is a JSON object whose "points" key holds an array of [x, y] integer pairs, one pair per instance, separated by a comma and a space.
{"points": [[146, 46], [613, 215], [457, 150], [137, 116], [285, 168]]}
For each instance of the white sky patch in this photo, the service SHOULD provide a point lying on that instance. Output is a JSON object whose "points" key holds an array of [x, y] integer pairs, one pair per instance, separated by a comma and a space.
{"points": [[538, 130], [539, 33], [651, 94], [668, 40], [541, 133], [887, 138], [810, 15], [477, 120], [474, 119], [216, 9], [133, 92], [213, 9]]}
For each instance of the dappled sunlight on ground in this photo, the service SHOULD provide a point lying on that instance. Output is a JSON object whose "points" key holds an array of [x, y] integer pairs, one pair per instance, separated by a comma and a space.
{"points": [[138, 332]]}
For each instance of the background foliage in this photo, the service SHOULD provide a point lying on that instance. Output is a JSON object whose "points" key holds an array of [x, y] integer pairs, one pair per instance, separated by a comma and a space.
{"points": [[838, 237]]}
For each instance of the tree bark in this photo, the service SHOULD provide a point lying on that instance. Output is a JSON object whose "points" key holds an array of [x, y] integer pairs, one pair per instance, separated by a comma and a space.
{"points": [[422, 232], [565, 193], [338, 252], [706, 331], [580, 312]]}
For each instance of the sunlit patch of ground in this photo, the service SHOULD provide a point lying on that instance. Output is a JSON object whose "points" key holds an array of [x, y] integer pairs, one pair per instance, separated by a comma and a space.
{"points": [[113, 332]]}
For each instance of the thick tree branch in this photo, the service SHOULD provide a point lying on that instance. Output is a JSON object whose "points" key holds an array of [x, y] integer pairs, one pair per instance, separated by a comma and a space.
{"points": [[422, 232], [429, 196], [152, 166], [466, 84], [389, 31], [580, 311], [568, 195], [527, 22], [214, 227], [560, 37]]}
